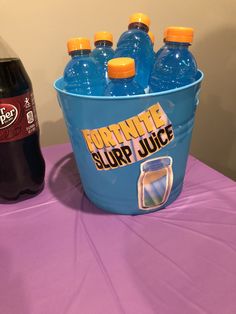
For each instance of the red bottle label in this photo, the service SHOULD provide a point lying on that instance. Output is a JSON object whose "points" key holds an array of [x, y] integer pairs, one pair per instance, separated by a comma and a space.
{"points": [[18, 117]]}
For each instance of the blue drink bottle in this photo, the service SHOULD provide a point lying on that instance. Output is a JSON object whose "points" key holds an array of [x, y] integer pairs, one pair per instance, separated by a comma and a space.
{"points": [[135, 43], [103, 51], [175, 66], [82, 74], [121, 72]]}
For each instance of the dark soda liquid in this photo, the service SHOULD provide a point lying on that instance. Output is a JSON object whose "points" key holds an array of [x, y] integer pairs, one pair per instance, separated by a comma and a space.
{"points": [[22, 167]]}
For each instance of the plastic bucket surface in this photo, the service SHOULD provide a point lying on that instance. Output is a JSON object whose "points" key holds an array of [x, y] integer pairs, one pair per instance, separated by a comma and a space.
{"points": [[131, 152]]}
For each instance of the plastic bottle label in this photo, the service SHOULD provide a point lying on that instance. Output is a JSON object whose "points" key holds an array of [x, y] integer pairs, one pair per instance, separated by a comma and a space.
{"points": [[18, 118]]}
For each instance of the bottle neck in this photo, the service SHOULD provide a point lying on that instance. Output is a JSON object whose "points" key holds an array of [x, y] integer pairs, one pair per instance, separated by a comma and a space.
{"points": [[138, 25], [78, 53], [173, 44], [124, 80], [103, 43]]}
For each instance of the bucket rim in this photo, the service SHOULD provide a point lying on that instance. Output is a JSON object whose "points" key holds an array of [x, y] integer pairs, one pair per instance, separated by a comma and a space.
{"points": [[170, 91]]}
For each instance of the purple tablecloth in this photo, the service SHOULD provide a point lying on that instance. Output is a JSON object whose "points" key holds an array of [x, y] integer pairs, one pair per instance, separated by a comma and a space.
{"points": [[59, 254]]}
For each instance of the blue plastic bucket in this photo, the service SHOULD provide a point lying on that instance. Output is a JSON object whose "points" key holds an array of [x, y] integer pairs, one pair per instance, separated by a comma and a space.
{"points": [[131, 152]]}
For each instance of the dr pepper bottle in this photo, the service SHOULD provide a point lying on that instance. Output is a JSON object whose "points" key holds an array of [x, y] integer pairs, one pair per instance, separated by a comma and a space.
{"points": [[22, 167]]}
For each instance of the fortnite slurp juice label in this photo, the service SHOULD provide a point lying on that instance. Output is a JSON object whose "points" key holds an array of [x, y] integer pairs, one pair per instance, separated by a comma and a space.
{"points": [[18, 117], [130, 140]]}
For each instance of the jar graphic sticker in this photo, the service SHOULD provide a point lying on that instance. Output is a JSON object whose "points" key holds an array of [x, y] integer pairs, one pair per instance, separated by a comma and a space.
{"points": [[155, 182]]}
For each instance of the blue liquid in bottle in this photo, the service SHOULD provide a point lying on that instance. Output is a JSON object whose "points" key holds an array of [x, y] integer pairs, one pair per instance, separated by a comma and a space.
{"points": [[175, 66], [79, 73], [103, 51], [121, 72], [135, 43]]}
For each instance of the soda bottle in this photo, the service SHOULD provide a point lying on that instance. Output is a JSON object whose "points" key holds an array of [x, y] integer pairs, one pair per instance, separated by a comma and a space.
{"points": [[22, 166], [82, 74], [175, 66], [121, 72], [103, 51], [135, 43]]}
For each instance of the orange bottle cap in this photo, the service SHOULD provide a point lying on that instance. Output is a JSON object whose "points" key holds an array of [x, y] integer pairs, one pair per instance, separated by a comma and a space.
{"points": [[179, 34], [152, 37], [121, 68], [140, 18], [103, 36], [79, 43]]}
